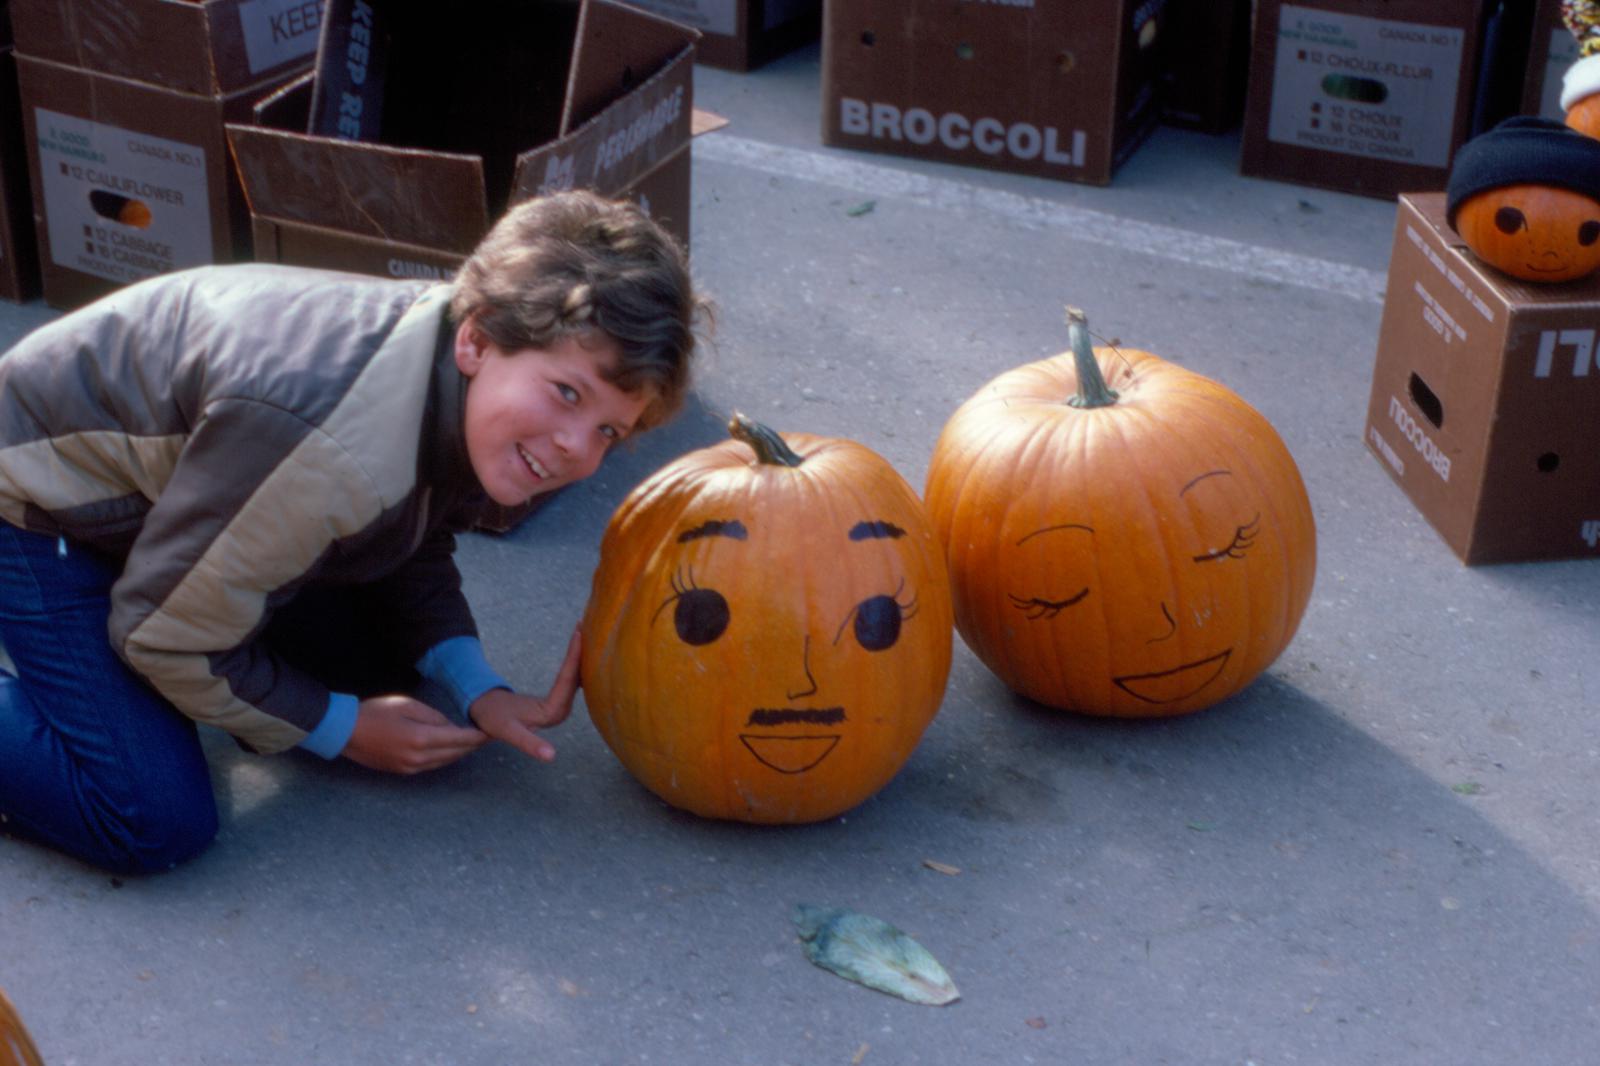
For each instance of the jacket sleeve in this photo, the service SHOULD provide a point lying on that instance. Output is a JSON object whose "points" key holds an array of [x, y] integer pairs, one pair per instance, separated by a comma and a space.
{"points": [[255, 501]]}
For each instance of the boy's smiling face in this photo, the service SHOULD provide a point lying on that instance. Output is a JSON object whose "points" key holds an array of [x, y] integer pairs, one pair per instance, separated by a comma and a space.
{"points": [[541, 418]]}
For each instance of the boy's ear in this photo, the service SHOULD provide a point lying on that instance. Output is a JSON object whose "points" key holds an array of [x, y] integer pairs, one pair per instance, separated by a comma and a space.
{"points": [[471, 347]]}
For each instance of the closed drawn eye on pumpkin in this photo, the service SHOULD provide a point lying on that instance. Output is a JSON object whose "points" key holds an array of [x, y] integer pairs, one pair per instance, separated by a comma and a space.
{"points": [[1244, 538], [1037, 606]]}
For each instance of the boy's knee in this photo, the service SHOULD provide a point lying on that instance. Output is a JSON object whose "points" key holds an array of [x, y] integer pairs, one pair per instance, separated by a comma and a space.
{"points": [[155, 845]]}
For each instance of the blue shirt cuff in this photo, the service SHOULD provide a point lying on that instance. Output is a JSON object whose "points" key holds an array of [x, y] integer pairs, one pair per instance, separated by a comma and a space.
{"points": [[458, 665], [333, 732]]}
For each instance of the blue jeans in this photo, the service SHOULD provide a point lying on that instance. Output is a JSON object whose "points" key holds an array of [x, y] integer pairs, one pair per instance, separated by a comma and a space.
{"points": [[93, 761]]}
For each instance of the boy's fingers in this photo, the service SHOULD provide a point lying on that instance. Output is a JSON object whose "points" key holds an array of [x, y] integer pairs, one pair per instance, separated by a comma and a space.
{"points": [[446, 736], [530, 743], [566, 682]]}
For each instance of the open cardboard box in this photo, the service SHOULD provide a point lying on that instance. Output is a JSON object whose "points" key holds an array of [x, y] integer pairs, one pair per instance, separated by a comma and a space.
{"points": [[1485, 403], [1062, 91], [397, 155], [394, 156], [743, 34], [123, 108], [1361, 96]]}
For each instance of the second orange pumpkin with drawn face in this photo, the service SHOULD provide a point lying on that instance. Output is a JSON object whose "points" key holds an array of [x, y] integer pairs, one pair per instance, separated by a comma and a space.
{"points": [[1143, 555]]}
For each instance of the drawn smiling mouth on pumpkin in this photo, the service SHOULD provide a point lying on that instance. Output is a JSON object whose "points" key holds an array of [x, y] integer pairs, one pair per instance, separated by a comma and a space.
{"points": [[1181, 682], [792, 753]]}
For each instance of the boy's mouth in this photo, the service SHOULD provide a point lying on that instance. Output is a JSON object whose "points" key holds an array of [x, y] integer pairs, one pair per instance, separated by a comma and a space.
{"points": [[535, 467]]}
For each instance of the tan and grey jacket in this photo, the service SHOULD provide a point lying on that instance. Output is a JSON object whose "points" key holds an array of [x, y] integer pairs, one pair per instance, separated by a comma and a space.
{"points": [[235, 433]]}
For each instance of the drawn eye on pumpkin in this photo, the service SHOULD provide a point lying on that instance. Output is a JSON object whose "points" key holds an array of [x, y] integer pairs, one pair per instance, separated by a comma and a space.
{"points": [[701, 615], [1588, 233], [1510, 220], [878, 619], [1037, 607], [1244, 538]]}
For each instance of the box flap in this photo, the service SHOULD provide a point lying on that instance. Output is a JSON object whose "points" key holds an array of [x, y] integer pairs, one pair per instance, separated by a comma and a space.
{"points": [[288, 107], [429, 198], [624, 141], [616, 49], [352, 66], [209, 47]]}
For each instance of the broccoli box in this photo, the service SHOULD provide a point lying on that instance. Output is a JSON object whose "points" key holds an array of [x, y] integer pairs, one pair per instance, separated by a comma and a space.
{"points": [[1485, 404]]}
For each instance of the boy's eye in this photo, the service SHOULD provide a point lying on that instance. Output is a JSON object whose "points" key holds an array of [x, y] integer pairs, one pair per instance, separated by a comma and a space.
{"points": [[568, 393], [610, 433]]}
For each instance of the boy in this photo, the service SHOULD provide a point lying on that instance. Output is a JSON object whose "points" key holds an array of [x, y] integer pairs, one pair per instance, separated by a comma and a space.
{"points": [[249, 478]]}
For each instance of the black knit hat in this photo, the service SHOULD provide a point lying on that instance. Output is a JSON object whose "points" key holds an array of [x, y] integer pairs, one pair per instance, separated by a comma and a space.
{"points": [[1524, 151]]}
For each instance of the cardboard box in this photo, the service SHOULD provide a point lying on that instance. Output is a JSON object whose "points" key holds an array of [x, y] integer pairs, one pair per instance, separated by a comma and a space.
{"points": [[1061, 91], [1207, 59], [124, 103], [416, 153], [19, 257], [743, 34], [1485, 400], [1361, 96], [1551, 52]]}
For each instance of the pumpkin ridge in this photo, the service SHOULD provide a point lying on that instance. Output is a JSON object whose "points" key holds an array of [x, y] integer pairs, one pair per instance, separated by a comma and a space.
{"points": [[1295, 592]]}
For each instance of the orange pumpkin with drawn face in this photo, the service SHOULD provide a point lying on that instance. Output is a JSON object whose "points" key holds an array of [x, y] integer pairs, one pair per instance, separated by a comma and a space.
{"points": [[1533, 232], [769, 629], [1125, 537]]}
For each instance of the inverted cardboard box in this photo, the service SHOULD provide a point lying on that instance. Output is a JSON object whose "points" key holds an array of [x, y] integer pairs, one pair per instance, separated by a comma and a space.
{"points": [[124, 103], [414, 159], [1361, 96], [1062, 91], [1485, 402], [1207, 59], [19, 257], [743, 34]]}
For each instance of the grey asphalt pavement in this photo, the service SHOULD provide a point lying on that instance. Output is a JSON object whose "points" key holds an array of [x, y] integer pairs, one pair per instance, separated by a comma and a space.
{"points": [[1384, 851]]}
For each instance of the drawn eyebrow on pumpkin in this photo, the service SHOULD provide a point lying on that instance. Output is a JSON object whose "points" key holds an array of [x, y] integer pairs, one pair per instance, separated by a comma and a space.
{"points": [[1054, 529], [1202, 477], [874, 530], [716, 527]]}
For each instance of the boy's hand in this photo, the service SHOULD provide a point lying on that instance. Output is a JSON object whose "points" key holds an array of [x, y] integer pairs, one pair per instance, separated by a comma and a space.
{"points": [[512, 717], [401, 735]]}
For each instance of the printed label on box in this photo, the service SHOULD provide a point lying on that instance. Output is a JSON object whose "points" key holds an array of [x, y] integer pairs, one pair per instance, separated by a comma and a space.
{"points": [[279, 31], [1365, 86], [708, 16], [118, 204]]}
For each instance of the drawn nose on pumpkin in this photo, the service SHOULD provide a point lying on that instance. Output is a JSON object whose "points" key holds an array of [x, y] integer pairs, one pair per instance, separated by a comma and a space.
{"points": [[810, 687]]}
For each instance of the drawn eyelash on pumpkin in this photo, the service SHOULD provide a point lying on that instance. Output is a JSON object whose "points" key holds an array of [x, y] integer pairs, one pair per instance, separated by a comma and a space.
{"points": [[908, 611], [682, 581], [1244, 538], [1036, 608]]}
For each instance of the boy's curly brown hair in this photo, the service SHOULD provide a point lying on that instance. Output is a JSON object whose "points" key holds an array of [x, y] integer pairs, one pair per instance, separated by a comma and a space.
{"points": [[575, 263]]}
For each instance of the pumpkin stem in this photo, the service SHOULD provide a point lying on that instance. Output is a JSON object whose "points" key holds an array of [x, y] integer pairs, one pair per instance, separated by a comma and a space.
{"points": [[769, 447], [1092, 388]]}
